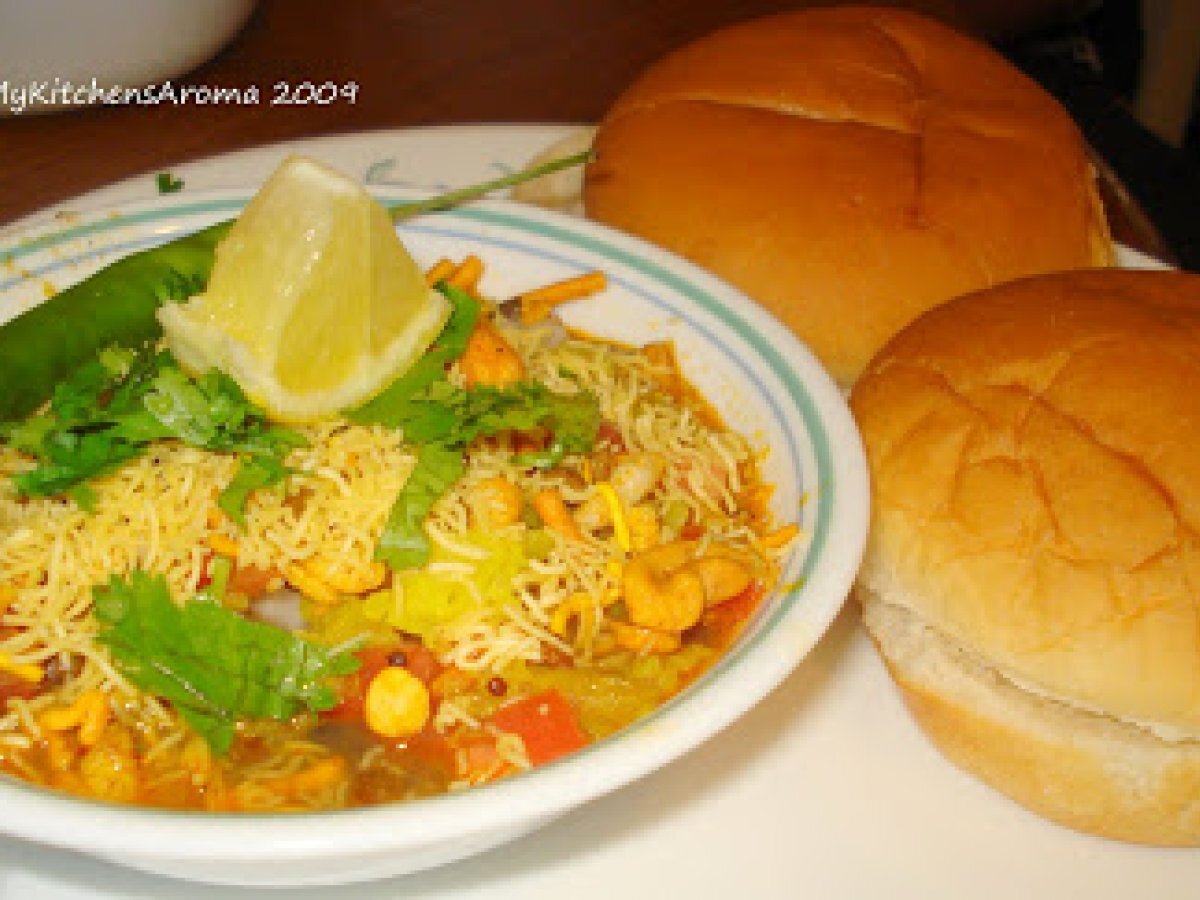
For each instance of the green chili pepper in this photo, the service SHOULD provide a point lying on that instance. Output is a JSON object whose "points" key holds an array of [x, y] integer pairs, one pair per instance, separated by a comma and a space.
{"points": [[113, 307], [116, 305]]}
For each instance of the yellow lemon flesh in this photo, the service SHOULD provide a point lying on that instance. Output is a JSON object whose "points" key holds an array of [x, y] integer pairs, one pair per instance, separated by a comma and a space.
{"points": [[313, 305]]}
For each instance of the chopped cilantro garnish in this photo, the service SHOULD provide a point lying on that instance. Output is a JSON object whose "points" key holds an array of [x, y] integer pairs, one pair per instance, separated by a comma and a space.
{"points": [[168, 183], [214, 666], [403, 544], [112, 408], [393, 407], [442, 419]]}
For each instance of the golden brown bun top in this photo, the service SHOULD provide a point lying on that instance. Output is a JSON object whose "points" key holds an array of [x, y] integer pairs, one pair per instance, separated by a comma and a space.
{"points": [[1035, 455], [848, 168]]}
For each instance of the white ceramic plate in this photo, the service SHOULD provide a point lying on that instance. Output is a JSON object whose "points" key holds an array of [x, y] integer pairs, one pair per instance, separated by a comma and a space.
{"points": [[762, 380], [824, 789]]}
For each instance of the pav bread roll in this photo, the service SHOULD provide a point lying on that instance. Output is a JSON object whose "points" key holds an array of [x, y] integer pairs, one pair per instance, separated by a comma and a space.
{"points": [[848, 168], [1032, 577]]}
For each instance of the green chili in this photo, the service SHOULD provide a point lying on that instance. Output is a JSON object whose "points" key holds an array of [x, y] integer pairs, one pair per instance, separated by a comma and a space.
{"points": [[116, 305]]}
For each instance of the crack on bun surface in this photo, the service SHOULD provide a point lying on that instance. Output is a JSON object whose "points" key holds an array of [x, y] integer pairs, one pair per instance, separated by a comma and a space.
{"points": [[1036, 516], [848, 168]]}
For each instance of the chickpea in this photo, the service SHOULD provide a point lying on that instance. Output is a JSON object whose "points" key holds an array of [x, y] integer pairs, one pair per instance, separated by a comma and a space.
{"points": [[397, 703]]}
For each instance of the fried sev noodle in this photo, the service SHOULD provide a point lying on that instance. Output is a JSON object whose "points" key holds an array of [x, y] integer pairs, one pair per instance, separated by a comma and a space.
{"points": [[158, 513]]}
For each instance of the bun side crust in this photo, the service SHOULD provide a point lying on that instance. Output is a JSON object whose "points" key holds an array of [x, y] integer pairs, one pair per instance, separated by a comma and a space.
{"points": [[1032, 575], [1080, 769], [1036, 485], [848, 168]]}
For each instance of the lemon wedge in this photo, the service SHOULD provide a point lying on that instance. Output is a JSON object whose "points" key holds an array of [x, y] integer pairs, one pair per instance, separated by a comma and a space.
{"points": [[313, 305]]}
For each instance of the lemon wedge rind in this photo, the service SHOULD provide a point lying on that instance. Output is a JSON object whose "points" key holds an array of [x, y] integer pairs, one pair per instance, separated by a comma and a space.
{"points": [[199, 346], [313, 305]]}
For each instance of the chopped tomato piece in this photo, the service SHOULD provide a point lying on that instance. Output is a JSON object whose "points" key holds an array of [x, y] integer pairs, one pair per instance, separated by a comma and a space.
{"points": [[429, 746], [546, 722], [479, 760], [608, 433], [250, 581], [533, 440], [205, 578], [420, 660], [354, 686], [12, 686]]}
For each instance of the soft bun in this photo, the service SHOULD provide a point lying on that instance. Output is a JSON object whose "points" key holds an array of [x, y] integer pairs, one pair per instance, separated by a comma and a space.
{"points": [[848, 168], [1032, 578]]}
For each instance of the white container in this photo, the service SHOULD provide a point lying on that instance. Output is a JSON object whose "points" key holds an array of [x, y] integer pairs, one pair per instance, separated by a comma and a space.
{"points": [[60, 54]]}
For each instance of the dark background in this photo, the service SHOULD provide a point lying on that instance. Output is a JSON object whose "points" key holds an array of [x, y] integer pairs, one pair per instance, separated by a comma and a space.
{"points": [[1090, 63], [427, 62]]}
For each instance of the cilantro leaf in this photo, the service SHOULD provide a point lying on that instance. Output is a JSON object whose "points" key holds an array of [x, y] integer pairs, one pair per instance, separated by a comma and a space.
{"points": [[168, 183], [255, 472], [214, 666], [574, 421], [393, 406], [111, 408], [403, 544], [212, 412], [76, 396], [175, 286], [68, 458], [442, 419], [27, 436]]}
